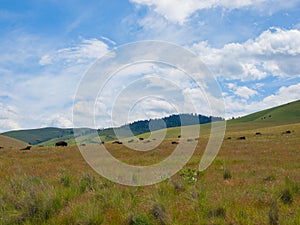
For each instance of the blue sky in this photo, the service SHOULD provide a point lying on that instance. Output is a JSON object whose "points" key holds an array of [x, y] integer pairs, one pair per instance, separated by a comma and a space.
{"points": [[252, 47]]}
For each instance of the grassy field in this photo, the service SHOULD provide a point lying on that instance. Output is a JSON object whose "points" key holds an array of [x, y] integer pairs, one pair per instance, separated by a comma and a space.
{"points": [[252, 181]]}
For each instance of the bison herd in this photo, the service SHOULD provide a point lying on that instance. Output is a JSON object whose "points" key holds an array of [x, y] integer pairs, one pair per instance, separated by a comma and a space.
{"points": [[258, 134], [63, 143]]}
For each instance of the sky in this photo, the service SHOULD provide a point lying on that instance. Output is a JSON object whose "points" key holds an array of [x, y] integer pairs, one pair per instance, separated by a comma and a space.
{"points": [[251, 48]]}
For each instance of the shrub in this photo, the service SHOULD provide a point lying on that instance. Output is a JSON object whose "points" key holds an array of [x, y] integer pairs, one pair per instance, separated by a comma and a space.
{"points": [[140, 219], [227, 174], [286, 196], [190, 175], [66, 180], [218, 212]]}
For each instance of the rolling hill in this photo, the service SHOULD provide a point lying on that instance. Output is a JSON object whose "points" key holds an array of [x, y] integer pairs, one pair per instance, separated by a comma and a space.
{"points": [[36, 136], [50, 135], [8, 142], [287, 113], [284, 114]]}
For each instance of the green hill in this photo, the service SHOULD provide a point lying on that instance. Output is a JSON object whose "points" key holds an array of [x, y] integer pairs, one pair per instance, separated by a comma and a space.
{"points": [[287, 113], [38, 136], [280, 115]]}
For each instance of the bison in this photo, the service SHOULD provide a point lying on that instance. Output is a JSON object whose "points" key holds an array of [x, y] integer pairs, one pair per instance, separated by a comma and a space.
{"points": [[241, 138], [287, 132], [61, 143], [174, 143], [26, 148]]}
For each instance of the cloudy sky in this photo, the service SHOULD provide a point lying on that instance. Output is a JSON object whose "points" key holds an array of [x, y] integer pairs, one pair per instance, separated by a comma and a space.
{"points": [[252, 47]]}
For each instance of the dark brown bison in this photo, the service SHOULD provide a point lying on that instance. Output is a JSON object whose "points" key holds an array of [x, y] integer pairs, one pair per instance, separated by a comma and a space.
{"points": [[241, 138], [118, 142], [141, 139], [26, 148], [257, 133], [61, 143], [174, 143], [287, 132]]}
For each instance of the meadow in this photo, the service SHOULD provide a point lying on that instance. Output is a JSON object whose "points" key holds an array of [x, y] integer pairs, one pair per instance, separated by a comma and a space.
{"points": [[252, 181]]}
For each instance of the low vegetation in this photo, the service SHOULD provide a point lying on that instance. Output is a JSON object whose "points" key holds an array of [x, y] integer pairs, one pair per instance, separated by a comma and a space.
{"points": [[253, 181]]}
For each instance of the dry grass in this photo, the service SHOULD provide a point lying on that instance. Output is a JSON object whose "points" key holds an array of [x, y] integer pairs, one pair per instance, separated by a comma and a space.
{"points": [[49, 185]]}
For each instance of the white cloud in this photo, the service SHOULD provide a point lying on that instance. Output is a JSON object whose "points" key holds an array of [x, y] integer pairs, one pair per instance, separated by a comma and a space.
{"points": [[240, 107], [275, 52], [178, 11], [8, 118], [245, 92], [41, 95], [275, 41], [88, 49], [284, 95], [58, 120]]}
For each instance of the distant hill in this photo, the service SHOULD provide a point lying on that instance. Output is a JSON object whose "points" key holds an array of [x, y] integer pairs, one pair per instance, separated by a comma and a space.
{"points": [[8, 142], [144, 126], [36, 136], [137, 128], [50, 135], [280, 115], [287, 113]]}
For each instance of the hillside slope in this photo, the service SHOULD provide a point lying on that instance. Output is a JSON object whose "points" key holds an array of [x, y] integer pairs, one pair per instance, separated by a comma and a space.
{"points": [[280, 115], [36, 136], [8, 142], [287, 113]]}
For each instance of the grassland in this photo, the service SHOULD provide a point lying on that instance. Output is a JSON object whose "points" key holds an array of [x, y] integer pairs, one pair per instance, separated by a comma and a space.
{"points": [[252, 181]]}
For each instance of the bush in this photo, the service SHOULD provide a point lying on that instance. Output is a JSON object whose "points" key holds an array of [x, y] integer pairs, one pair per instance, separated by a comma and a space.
{"points": [[190, 175], [140, 219], [218, 212], [227, 174], [66, 180], [286, 196]]}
